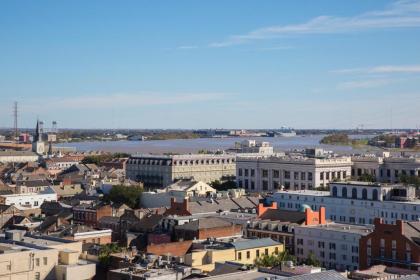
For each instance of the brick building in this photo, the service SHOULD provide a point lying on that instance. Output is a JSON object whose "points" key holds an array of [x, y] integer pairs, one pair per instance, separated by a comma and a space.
{"points": [[392, 245], [279, 224], [205, 228], [90, 215]]}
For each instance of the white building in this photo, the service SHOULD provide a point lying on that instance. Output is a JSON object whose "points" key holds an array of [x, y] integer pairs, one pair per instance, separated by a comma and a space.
{"points": [[28, 200], [385, 168], [252, 146], [178, 190], [12, 156], [267, 173], [356, 202], [335, 245], [162, 170]]}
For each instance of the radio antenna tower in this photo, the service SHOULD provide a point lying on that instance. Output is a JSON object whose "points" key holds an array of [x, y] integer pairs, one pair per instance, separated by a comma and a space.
{"points": [[15, 122]]}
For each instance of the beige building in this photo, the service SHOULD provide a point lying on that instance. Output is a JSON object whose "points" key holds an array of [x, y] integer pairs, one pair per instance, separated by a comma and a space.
{"points": [[162, 170], [271, 172], [244, 251], [386, 168], [12, 156], [26, 257]]}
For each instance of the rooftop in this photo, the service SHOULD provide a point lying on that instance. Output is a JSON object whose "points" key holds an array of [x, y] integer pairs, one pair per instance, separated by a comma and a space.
{"points": [[254, 243], [359, 229]]}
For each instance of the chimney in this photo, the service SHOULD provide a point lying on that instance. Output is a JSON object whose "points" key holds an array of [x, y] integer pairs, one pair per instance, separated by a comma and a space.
{"points": [[400, 225], [321, 214], [262, 208]]}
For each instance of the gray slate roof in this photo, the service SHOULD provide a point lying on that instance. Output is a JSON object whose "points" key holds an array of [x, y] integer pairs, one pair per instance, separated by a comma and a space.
{"points": [[324, 275], [254, 243]]}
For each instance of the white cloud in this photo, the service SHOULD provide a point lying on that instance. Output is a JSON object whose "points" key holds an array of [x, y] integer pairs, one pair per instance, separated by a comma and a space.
{"points": [[384, 69], [364, 84], [401, 14], [187, 47]]}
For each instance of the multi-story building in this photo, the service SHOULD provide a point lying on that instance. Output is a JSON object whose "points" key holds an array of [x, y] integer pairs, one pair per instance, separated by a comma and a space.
{"points": [[90, 215], [385, 169], [356, 202], [280, 224], [12, 156], [335, 245], [29, 200], [267, 173], [36, 257], [392, 245], [162, 170]]}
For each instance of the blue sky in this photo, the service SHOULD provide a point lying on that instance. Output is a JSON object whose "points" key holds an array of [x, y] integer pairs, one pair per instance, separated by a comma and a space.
{"points": [[211, 64]]}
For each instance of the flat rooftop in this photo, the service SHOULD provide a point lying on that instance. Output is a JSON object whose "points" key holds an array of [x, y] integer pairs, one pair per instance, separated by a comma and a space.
{"points": [[360, 229], [303, 192]]}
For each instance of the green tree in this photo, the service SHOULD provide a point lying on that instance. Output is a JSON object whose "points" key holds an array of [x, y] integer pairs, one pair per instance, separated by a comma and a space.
{"points": [[274, 260], [129, 195], [105, 251], [223, 186], [410, 180], [367, 178], [311, 260]]}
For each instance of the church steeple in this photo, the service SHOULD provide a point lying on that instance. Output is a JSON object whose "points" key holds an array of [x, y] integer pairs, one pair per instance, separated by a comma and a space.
{"points": [[37, 135]]}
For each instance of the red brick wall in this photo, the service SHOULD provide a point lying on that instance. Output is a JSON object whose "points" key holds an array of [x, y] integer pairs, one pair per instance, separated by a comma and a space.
{"points": [[388, 233], [219, 232], [178, 208], [178, 249]]}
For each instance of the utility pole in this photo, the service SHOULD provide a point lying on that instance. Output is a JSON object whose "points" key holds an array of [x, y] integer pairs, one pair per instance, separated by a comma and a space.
{"points": [[15, 122]]}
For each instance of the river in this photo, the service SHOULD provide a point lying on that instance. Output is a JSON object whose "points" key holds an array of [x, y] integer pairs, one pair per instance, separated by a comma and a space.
{"points": [[194, 145]]}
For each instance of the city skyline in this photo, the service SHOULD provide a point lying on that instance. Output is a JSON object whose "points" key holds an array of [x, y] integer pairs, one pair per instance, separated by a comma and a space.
{"points": [[193, 65]]}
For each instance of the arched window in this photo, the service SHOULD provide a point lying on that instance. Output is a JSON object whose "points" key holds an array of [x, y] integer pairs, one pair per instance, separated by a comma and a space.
{"points": [[344, 192], [375, 195], [334, 191], [364, 194], [354, 193]]}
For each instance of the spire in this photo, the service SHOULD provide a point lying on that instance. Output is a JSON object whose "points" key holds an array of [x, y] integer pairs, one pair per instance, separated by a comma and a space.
{"points": [[36, 138]]}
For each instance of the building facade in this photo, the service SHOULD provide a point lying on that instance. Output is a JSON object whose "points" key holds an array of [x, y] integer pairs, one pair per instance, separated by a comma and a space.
{"points": [[355, 202], [270, 173], [162, 170], [335, 245], [392, 245], [385, 169]]}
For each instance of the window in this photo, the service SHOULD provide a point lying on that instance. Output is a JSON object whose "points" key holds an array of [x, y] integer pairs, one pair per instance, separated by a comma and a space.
{"points": [[276, 250], [286, 174], [265, 173], [37, 261], [344, 192], [321, 176], [252, 185], [354, 193], [240, 171], [36, 203], [252, 172], [248, 255], [334, 191], [296, 175], [364, 194], [257, 253], [375, 195], [37, 276], [302, 175], [266, 251], [310, 176], [276, 174], [246, 172], [239, 256], [265, 185], [332, 246], [45, 260]]}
